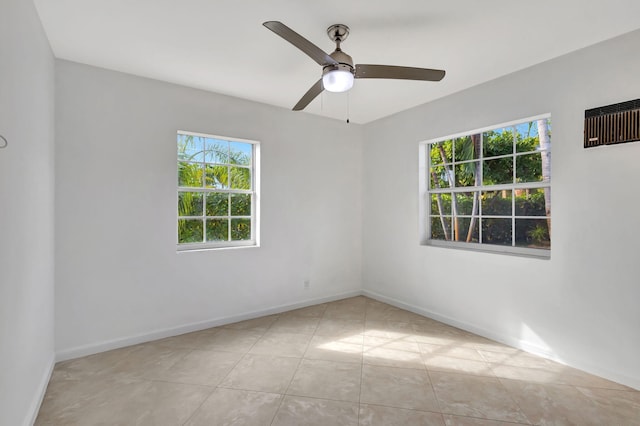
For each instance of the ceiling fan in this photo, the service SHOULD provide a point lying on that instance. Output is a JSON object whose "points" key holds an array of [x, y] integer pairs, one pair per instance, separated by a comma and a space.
{"points": [[338, 70]]}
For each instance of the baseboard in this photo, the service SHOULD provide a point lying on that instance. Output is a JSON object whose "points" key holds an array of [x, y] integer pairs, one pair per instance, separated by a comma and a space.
{"points": [[94, 348], [507, 340], [34, 407]]}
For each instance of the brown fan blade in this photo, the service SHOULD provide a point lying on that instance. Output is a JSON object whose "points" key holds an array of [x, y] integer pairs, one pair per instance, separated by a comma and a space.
{"points": [[398, 73], [313, 51], [311, 94]]}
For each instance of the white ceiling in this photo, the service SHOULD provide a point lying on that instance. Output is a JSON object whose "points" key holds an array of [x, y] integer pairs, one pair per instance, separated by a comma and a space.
{"points": [[221, 46]]}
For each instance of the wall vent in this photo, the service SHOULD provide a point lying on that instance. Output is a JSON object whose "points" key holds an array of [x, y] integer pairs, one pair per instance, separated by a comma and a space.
{"points": [[612, 124]]}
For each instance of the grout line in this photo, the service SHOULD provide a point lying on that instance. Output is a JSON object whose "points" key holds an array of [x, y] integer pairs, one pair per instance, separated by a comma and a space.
{"points": [[285, 392]]}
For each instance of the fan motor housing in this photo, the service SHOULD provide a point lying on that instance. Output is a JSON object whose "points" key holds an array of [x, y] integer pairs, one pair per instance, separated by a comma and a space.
{"points": [[345, 63]]}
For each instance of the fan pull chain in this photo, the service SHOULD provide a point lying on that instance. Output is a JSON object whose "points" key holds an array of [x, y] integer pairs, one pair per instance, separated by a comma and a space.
{"points": [[348, 98]]}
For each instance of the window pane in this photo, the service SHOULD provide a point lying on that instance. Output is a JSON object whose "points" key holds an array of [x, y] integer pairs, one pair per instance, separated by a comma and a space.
{"points": [[439, 177], [240, 204], [217, 151], [466, 203], [441, 152], [530, 202], [190, 203], [529, 168], [190, 148], [217, 177], [217, 204], [468, 229], [496, 203], [498, 171], [189, 231], [240, 229], [496, 231], [240, 177], [441, 204], [466, 174], [464, 149], [532, 233], [497, 142], [189, 174], [437, 230], [241, 153], [528, 140], [217, 230]]}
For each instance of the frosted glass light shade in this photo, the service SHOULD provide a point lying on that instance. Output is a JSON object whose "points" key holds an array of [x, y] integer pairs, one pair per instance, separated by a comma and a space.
{"points": [[337, 81]]}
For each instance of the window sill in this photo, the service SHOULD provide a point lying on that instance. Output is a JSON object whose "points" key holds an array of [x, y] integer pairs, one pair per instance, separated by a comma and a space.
{"points": [[491, 249], [187, 248]]}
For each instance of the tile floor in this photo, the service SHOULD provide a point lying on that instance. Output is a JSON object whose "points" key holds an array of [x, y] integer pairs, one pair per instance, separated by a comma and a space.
{"points": [[351, 362]]}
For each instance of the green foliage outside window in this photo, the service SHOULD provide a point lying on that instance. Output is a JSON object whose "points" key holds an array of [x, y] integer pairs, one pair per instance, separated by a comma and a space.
{"points": [[506, 156], [220, 168]]}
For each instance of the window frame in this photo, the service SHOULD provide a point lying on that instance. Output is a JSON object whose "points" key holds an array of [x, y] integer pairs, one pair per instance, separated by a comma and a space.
{"points": [[254, 192], [425, 193]]}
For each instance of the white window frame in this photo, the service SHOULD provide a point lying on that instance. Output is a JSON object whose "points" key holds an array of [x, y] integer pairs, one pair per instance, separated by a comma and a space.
{"points": [[424, 196], [255, 199]]}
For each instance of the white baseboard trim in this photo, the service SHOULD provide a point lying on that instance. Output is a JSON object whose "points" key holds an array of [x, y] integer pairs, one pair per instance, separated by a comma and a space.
{"points": [[34, 407], [507, 340], [94, 348]]}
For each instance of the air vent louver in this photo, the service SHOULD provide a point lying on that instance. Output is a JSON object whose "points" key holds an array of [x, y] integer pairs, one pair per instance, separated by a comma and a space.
{"points": [[612, 124]]}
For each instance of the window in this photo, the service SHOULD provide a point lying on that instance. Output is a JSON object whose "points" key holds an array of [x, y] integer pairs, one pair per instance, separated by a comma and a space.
{"points": [[217, 191], [489, 189]]}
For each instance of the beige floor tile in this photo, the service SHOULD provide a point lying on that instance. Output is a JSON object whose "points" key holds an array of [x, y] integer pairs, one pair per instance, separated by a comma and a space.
{"points": [[294, 324], [576, 377], [454, 351], [315, 311], [300, 411], [377, 415], [231, 407], [613, 407], [482, 343], [101, 363], [335, 355], [263, 373], [550, 403], [341, 349], [219, 339], [350, 310], [199, 368], [385, 356], [282, 344], [339, 327], [68, 398], [261, 324], [397, 387], [399, 343], [148, 360], [356, 301], [473, 421], [327, 379], [534, 375], [388, 313], [387, 329], [475, 396], [554, 374], [520, 359], [195, 340], [456, 365], [136, 402], [439, 335]]}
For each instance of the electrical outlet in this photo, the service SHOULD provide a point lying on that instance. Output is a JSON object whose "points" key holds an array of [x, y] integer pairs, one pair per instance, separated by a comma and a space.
{"points": [[307, 283]]}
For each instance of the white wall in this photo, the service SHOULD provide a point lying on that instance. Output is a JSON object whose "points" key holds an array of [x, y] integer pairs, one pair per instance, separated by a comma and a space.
{"points": [[118, 276], [581, 306], [26, 212]]}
